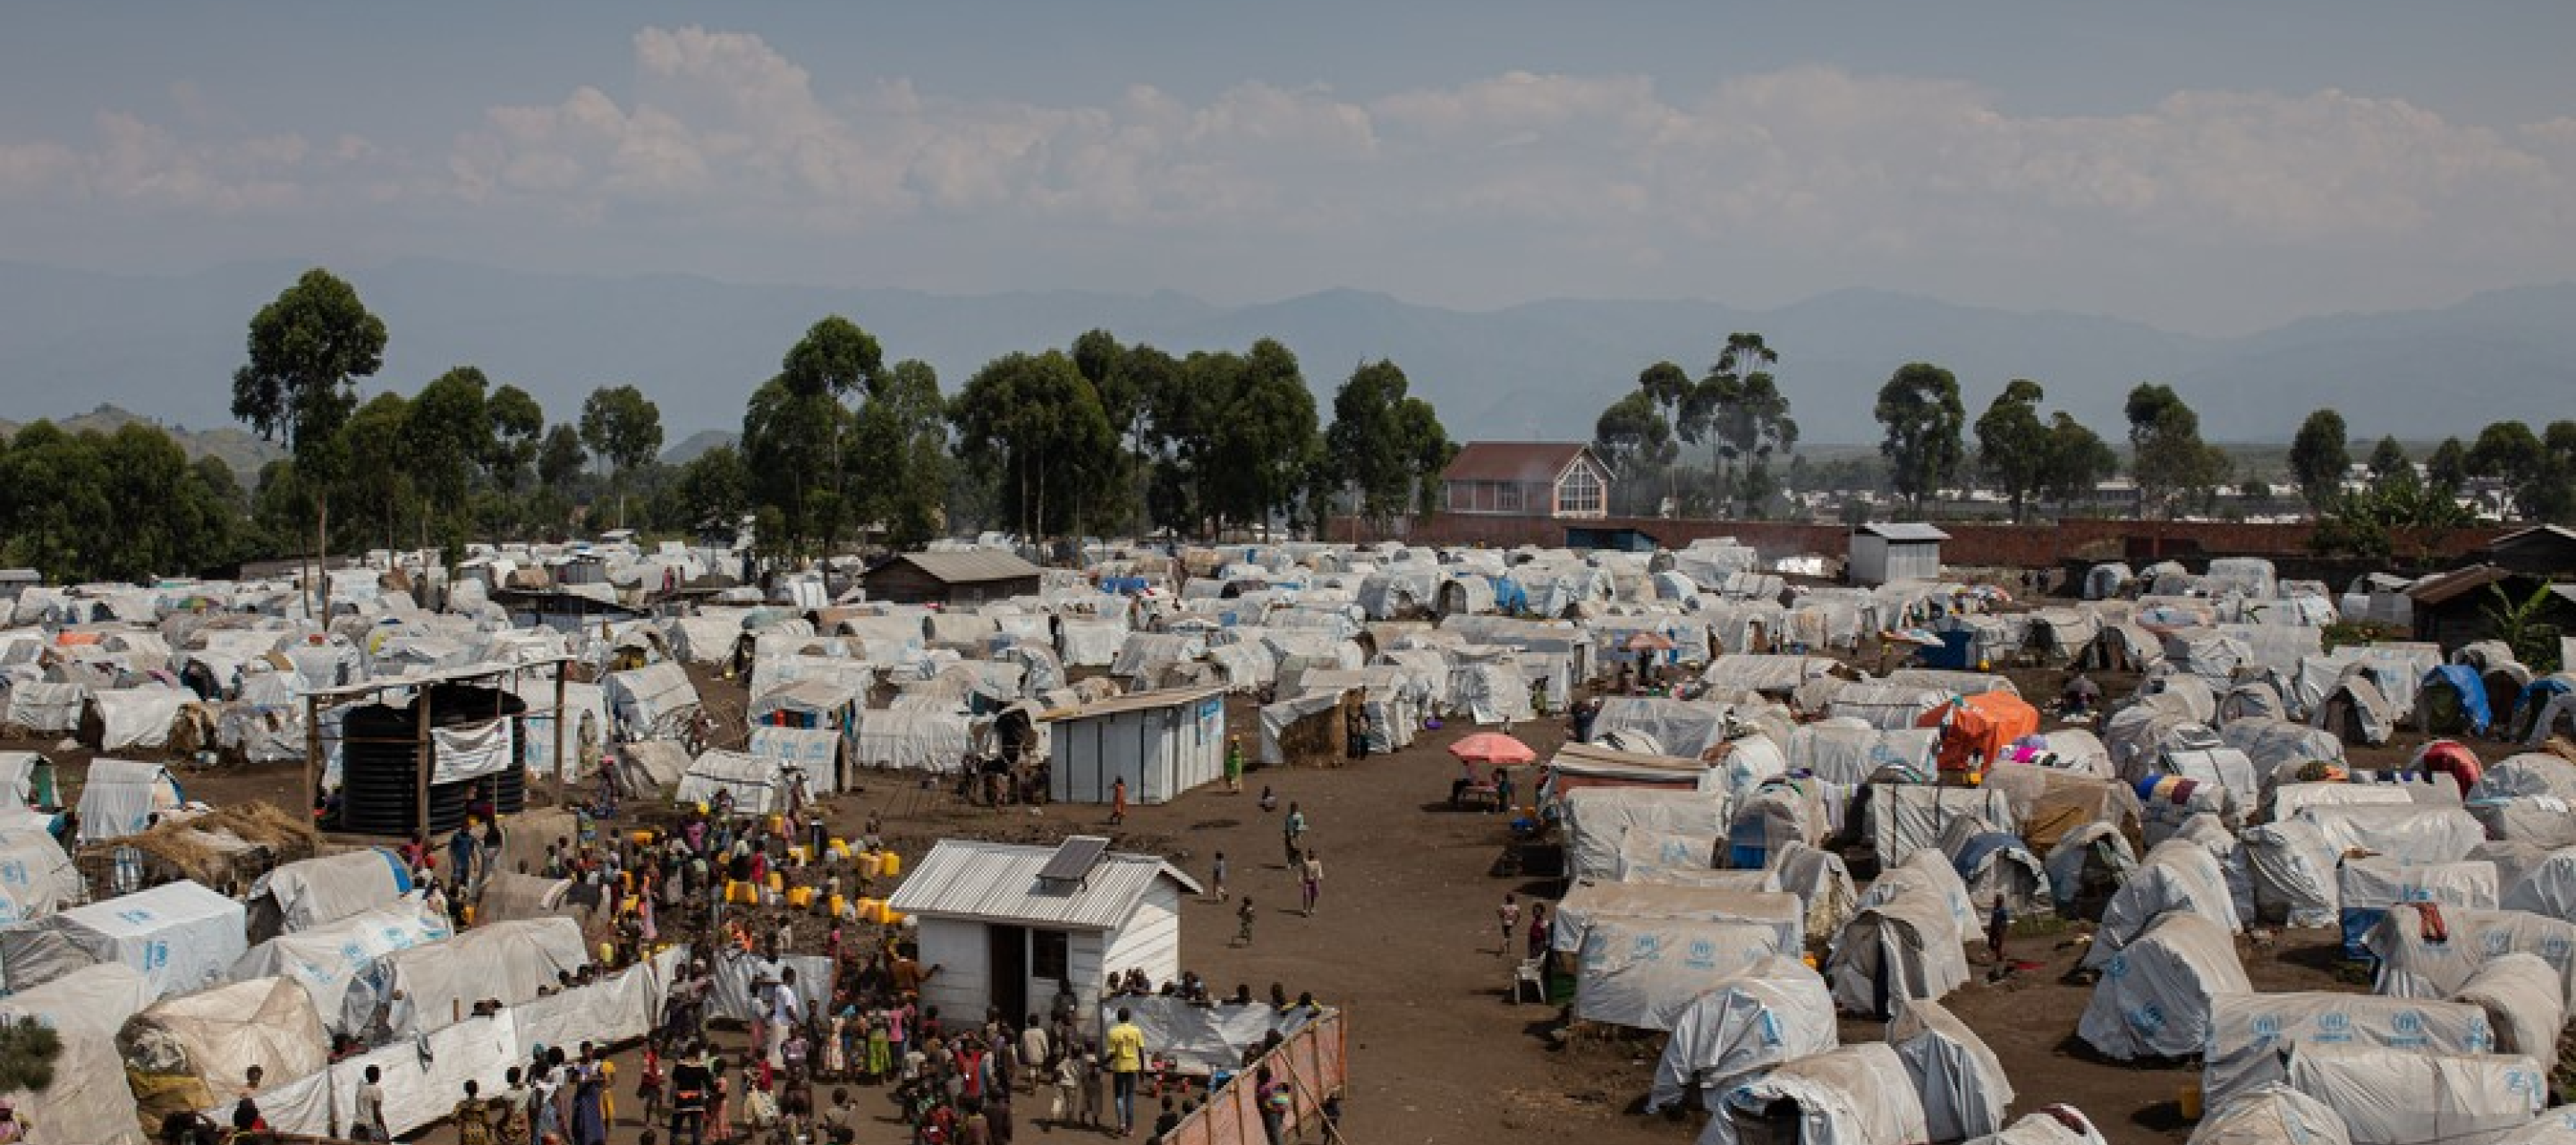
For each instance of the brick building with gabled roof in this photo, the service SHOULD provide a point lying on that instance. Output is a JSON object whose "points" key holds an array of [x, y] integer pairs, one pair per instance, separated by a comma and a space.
{"points": [[1527, 479]]}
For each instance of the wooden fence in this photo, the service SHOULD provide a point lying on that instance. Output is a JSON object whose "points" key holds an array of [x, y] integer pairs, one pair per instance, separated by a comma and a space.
{"points": [[1314, 1064]]}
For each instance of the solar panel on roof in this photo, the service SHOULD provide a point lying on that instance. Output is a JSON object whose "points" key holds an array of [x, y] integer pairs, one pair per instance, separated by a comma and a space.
{"points": [[1074, 858]]}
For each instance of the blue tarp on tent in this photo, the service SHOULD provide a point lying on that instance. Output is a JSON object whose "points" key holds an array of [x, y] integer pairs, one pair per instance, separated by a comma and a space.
{"points": [[2472, 690], [2536, 696], [1509, 596]]}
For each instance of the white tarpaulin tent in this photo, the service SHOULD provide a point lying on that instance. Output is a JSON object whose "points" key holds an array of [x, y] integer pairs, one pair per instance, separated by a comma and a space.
{"points": [[756, 785], [1903, 947], [188, 1052], [2271, 1115], [932, 741], [1777, 1011], [1643, 973], [1961, 1084], [2052, 1125], [311, 892], [119, 797], [37, 877], [137, 718], [2153, 999], [180, 935], [326, 957], [439, 983], [1909, 817], [1586, 900], [2519, 994], [2411, 965], [2405, 833], [88, 1102], [2177, 875], [1597, 818], [2251, 1036], [2415, 1097], [1852, 1095], [650, 702]]}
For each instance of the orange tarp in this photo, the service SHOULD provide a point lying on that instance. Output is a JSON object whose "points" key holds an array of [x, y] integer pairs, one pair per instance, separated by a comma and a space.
{"points": [[1980, 727]]}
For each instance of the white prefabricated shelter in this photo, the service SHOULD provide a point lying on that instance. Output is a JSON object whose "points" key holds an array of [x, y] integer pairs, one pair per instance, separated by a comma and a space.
{"points": [[1007, 924], [1162, 743], [1885, 553]]}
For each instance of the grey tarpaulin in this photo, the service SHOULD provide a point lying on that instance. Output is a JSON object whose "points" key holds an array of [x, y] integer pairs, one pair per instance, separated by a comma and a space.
{"points": [[2412, 1097], [2251, 1036], [2411, 967], [2293, 868], [1776, 1011], [2405, 833], [1210, 1036], [1907, 946], [2052, 1125], [2154, 995], [2178, 875], [1643, 852], [736, 972], [2548, 888], [2272, 1115], [1854, 1095], [1909, 817], [1597, 817], [1587, 900], [2519, 993], [1962, 1086], [1643, 973]]}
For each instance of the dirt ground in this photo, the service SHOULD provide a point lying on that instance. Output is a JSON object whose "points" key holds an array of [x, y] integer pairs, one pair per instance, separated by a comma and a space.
{"points": [[1406, 942]]}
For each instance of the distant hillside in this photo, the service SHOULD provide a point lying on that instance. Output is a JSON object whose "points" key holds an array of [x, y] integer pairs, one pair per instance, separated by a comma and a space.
{"points": [[1545, 369], [245, 451], [697, 443]]}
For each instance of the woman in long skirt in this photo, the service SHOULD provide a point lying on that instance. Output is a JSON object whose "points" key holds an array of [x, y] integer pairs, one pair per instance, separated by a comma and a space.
{"points": [[880, 1049], [589, 1115]]}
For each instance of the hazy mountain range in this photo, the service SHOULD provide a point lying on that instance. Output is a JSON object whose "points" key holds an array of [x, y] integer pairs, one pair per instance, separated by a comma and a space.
{"points": [[166, 346]]}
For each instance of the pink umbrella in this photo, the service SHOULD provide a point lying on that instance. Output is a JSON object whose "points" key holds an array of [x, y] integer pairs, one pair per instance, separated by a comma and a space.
{"points": [[1492, 747]]}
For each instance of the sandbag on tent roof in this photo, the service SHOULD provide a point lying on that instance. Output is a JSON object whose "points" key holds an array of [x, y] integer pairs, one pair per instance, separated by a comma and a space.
{"points": [[2414, 1097], [1587, 900], [2415, 964], [2519, 995], [323, 958], [180, 935], [309, 892], [120, 797], [1963, 1087], [2178, 875], [2251, 1036], [37, 877], [2368, 885], [2271, 1115], [1776, 1011], [1596, 817], [1643, 972], [1850, 1095], [439, 983], [88, 1102], [2153, 1000], [187, 1053]]}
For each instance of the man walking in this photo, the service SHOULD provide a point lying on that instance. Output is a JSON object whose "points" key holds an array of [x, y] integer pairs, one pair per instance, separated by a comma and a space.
{"points": [[1310, 879], [1292, 831], [1243, 922]]}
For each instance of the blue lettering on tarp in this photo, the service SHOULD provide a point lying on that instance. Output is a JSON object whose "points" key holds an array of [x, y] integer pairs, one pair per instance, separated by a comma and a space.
{"points": [[1770, 1027], [2407, 1029], [1647, 948], [2267, 1027], [1702, 956], [2118, 967], [2147, 1018], [2481, 1039], [2334, 1026]]}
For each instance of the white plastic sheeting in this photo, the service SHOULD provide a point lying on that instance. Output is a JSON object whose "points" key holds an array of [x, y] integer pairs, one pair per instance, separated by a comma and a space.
{"points": [[1888, 705], [309, 892], [2411, 966], [119, 797], [1596, 818], [325, 958], [2153, 999], [1585, 901], [2524, 1012], [439, 983], [1852, 1095], [1962, 1085], [37, 877], [88, 1102], [2289, 799], [2408, 834], [2251, 1036], [209, 1036], [180, 935], [933, 741], [1643, 973], [2177, 876], [1905, 945], [757, 785], [1777, 1011], [2051, 1125], [2292, 867], [2412, 1097], [131, 718], [1848, 752], [1909, 817], [2271, 1115]]}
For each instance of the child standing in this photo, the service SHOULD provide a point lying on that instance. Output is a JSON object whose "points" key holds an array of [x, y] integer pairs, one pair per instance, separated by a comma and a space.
{"points": [[1510, 913], [1218, 871]]}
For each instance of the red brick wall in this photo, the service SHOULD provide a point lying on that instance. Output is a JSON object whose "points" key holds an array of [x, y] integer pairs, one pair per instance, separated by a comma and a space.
{"points": [[2018, 546]]}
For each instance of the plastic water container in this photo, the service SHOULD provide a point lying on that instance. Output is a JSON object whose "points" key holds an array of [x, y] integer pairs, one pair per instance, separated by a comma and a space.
{"points": [[893, 864]]}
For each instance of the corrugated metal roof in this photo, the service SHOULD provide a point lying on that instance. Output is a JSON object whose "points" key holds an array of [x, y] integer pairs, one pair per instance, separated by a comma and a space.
{"points": [[970, 567], [1512, 460], [1136, 702], [1900, 531], [998, 882]]}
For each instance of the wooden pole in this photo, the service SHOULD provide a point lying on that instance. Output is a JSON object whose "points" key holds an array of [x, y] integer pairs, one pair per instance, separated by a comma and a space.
{"points": [[559, 733], [424, 758], [312, 746]]}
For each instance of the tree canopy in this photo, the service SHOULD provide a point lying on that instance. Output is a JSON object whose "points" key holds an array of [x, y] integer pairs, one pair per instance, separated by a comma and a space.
{"points": [[1385, 445], [2170, 460], [1921, 410], [2318, 459]]}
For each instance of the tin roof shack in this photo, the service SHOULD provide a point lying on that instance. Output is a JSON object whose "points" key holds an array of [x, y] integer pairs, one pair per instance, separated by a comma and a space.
{"points": [[961, 579], [1007, 924], [1162, 743], [1884, 553], [2541, 551], [2460, 606]]}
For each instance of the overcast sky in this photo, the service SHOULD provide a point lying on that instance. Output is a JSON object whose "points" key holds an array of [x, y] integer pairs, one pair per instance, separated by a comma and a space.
{"points": [[2205, 165]]}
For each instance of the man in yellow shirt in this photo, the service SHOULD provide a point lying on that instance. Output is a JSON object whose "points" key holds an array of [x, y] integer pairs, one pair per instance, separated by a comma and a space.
{"points": [[1126, 1053]]}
